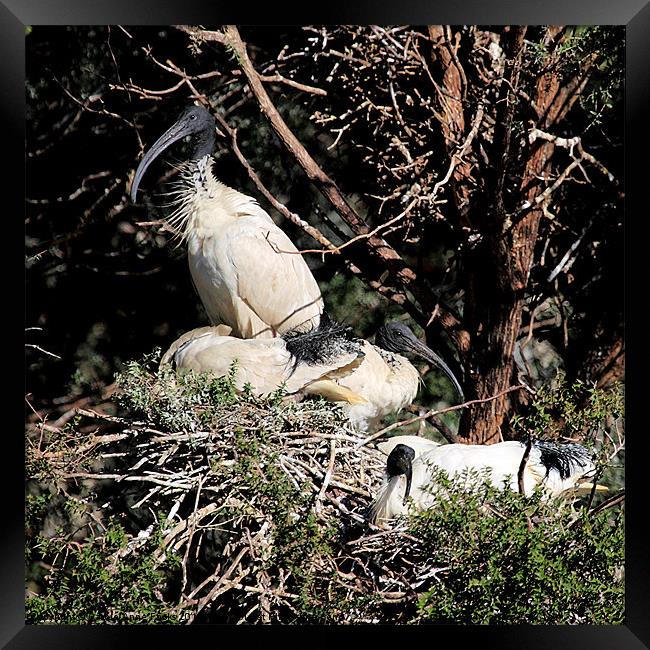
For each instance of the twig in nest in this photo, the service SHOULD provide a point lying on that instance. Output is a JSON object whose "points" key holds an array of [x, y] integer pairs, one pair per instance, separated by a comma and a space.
{"points": [[433, 412]]}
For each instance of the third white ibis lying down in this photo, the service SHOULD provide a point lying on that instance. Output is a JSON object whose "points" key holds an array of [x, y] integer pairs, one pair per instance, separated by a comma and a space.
{"points": [[411, 468], [368, 380], [247, 272]]}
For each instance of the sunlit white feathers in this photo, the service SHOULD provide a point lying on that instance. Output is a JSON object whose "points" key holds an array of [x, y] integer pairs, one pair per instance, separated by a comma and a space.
{"points": [[558, 469]]}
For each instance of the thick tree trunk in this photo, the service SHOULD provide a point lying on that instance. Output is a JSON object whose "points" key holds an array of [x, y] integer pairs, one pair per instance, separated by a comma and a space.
{"points": [[499, 267], [450, 101], [494, 285]]}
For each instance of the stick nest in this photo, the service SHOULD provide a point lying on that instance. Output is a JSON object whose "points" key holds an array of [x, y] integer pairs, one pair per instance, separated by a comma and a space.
{"points": [[262, 501]]}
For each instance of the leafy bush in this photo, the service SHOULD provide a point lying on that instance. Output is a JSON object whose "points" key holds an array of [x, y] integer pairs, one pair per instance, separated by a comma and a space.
{"points": [[505, 559], [101, 581], [260, 517]]}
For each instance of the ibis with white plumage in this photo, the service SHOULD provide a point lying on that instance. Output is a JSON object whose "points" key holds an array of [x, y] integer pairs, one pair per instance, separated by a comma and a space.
{"points": [[386, 378], [303, 363], [247, 272], [368, 381], [412, 469]]}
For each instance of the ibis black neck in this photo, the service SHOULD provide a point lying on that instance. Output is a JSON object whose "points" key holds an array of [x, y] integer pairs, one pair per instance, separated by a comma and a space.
{"points": [[195, 121], [204, 144], [400, 461], [397, 337]]}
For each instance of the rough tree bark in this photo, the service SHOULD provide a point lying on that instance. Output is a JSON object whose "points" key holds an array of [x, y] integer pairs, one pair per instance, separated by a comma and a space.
{"points": [[450, 95], [499, 267]]}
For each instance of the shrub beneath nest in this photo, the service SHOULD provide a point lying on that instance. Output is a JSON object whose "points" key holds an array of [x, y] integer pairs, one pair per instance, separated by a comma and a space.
{"points": [[225, 507], [487, 556], [94, 583]]}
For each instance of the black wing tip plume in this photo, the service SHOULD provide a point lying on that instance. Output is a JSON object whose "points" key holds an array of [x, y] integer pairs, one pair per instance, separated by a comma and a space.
{"points": [[328, 325], [323, 343], [566, 459], [325, 320]]}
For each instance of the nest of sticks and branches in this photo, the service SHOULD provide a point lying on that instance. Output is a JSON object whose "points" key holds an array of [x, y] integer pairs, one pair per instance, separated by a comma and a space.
{"points": [[263, 501], [255, 511]]}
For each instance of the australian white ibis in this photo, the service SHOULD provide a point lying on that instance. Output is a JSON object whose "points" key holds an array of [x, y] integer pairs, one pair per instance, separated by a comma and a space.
{"points": [[386, 379], [247, 272], [308, 363], [411, 470], [368, 380]]}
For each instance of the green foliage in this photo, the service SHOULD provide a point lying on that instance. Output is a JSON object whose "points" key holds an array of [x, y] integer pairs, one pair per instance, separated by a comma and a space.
{"points": [[36, 506], [173, 401], [579, 409], [495, 557], [480, 556], [500, 558], [604, 91], [299, 542], [98, 582]]}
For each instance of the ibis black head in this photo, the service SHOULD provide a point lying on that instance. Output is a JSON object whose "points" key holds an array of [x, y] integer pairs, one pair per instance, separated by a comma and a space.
{"points": [[400, 461], [195, 121], [398, 337]]}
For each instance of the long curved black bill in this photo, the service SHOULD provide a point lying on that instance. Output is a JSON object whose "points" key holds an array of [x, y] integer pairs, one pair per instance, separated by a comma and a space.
{"points": [[409, 479], [428, 354], [173, 134]]}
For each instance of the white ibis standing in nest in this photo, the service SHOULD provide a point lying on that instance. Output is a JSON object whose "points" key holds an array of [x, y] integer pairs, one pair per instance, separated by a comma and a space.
{"points": [[247, 272]]}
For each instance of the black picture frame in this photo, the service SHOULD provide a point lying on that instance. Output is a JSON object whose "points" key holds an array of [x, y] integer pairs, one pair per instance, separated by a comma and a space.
{"points": [[634, 14]]}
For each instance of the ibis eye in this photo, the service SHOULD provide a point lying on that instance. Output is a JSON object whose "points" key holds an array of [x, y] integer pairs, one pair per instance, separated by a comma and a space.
{"points": [[193, 116]]}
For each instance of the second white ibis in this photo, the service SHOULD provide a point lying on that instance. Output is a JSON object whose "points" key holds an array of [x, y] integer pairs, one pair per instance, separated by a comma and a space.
{"points": [[378, 380], [304, 363]]}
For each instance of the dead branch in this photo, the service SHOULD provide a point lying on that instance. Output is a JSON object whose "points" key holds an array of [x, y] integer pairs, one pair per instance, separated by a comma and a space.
{"points": [[522, 465], [338, 249], [293, 84], [434, 412]]}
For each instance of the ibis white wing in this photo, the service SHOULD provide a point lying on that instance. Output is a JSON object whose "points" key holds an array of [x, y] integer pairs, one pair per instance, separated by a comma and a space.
{"points": [[419, 444], [262, 363], [274, 281], [247, 272], [501, 461], [388, 382], [265, 364], [223, 330]]}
